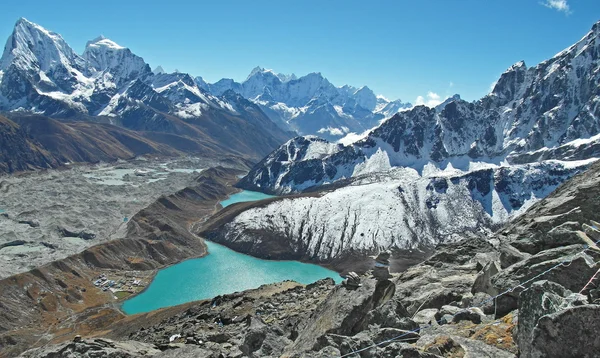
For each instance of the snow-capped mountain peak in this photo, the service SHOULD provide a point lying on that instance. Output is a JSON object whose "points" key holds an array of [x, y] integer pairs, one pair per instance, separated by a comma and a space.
{"points": [[103, 41], [261, 70], [32, 48], [104, 55], [310, 104]]}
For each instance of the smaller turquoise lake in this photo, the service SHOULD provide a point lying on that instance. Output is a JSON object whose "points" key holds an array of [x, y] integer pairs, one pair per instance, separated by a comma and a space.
{"points": [[221, 272], [243, 196]]}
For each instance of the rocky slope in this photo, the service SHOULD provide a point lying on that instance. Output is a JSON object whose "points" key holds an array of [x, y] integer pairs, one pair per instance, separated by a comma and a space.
{"points": [[19, 152], [310, 104], [491, 295], [39, 142], [41, 74]]}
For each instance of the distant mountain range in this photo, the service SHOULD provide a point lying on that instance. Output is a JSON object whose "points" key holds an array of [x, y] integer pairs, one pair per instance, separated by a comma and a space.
{"points": [[429, 175], [550, 111], [310, 104], [41, 75]]}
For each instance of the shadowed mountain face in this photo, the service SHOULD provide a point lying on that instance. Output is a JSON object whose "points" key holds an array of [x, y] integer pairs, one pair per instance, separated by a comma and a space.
{"points": [[18, 151], [37, 142], [41, 74]]}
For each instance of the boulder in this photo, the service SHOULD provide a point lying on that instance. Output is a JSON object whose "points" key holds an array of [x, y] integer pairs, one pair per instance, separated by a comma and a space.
{"points": [[572, 332], [474, 315], [572, 275], [391, 314], [426, 316], [261, 340], [481, 300], [343, 313], [483, 281], [447, 310]]}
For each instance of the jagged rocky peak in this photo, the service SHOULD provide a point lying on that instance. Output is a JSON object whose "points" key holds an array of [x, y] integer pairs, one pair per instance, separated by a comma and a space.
{"points": [[365, 98], [32, 48], [105, 55], [507, 87], [262, 71], [158, 70], [440, 107]]}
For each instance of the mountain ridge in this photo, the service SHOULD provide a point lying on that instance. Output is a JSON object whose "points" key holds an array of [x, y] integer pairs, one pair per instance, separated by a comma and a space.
{"points": [[528, 115], [294, 102], [41, 75]]}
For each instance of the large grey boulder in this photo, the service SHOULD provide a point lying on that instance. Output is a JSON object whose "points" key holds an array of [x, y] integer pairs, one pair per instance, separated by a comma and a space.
{"points": [[342, 313], [573, 274], [259, 340], [542, 298], [569, 333], [483, 281]]}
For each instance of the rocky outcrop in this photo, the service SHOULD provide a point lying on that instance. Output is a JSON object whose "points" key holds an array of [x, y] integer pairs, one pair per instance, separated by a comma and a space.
{"points": [[572, 332], [96, 348]]}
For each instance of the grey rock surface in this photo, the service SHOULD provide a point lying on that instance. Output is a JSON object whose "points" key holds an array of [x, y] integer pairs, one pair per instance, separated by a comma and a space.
{"points": [[568, 333]]}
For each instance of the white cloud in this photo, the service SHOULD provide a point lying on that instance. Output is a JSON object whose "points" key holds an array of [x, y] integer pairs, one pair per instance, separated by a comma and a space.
{"points": [[451, 84], [493, 85], [559, 5], [334, 131], [432, 100]]}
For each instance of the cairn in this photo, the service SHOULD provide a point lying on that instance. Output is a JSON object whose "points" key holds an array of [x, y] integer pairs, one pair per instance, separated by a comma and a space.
{"points": [[352, 281], [381, 272]]}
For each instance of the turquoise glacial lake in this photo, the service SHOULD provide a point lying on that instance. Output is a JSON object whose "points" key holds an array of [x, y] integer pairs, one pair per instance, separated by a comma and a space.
{"points": [[221, 272], [245, 195]]}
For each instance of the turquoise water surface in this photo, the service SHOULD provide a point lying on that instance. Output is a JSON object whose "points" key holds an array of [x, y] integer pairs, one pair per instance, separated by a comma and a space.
{"points": [[222, 271], [245, 195]]}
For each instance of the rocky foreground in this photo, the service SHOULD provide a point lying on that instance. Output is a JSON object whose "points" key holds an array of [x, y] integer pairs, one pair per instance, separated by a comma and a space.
{"points": [[522, 291]]}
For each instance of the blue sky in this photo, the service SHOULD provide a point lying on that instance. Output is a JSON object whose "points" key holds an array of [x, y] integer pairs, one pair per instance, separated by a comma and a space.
{"points": [[401, 49]]}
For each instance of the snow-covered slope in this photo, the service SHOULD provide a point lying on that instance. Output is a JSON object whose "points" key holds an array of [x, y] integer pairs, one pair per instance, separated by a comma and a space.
{"points": [[399, 209], [106, 56], [542, 112], [310, 104]]}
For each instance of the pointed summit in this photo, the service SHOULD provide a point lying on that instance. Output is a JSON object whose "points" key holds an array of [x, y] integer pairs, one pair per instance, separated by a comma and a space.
{"points": [[33, 48], [158, 70], [254, 71]]}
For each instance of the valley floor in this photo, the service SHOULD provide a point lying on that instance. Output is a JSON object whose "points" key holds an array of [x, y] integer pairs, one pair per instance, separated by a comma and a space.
{"points": [[49, 215]]}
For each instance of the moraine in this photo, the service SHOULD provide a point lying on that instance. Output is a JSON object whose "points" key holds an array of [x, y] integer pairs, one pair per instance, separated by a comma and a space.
{"points": [[221, 272]]}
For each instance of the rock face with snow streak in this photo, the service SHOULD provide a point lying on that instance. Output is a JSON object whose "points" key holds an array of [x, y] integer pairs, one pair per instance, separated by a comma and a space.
{"points": [[41, 74], [310, 105], [105, 56], [550, 111]]}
